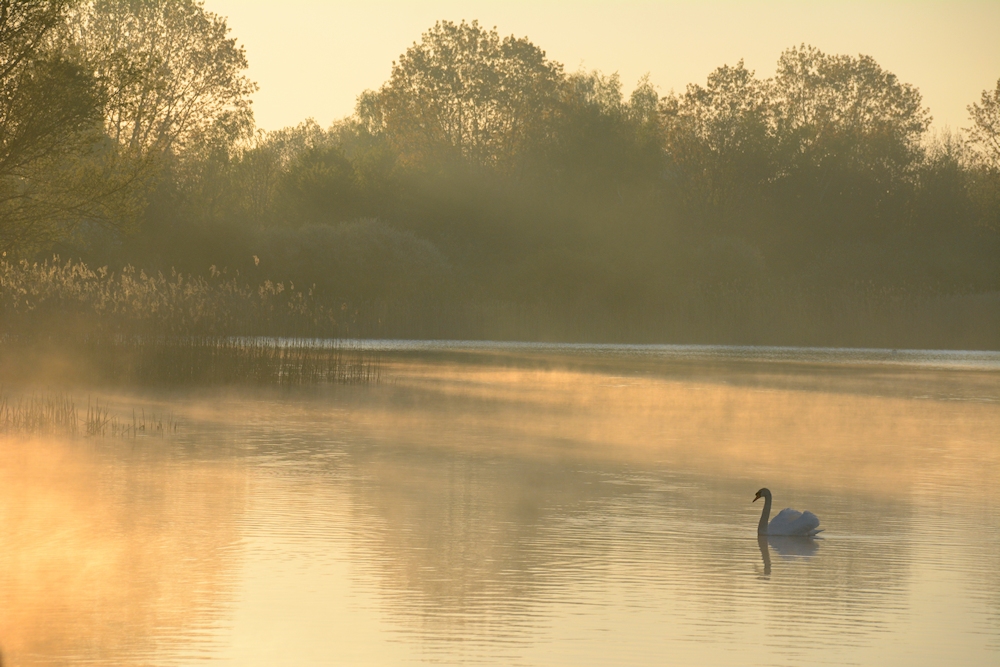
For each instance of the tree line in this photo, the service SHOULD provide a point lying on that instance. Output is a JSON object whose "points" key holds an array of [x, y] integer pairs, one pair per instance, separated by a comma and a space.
{"points": [[482, 172]]}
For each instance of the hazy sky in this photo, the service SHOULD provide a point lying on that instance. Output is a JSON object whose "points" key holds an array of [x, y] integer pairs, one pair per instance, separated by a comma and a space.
{"points": [[313, 57]]}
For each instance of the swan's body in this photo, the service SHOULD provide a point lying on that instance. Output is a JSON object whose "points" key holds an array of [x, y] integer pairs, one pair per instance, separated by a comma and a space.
{"points": [[787, 521]]}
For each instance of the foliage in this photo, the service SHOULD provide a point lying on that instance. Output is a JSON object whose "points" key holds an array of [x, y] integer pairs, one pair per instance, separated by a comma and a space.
{"points": [[46, 98], [597, 140], [721, 140], [164, 77], [847, 111], [984, 135], [66, 296], [483, 190], [984, 146], [464, 91], [49, 152], [169, 69], [362, 260]]}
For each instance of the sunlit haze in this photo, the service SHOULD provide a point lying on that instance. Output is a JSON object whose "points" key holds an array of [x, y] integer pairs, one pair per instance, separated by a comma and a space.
{"points": [[491, 366], [312, 58]]}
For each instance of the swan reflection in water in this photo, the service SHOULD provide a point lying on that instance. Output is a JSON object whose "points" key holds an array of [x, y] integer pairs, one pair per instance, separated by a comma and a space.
{"points": [[787, 546]]}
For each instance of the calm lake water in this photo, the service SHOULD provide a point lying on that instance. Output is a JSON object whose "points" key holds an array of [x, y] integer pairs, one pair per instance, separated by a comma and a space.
{"points": [[524, 505]]}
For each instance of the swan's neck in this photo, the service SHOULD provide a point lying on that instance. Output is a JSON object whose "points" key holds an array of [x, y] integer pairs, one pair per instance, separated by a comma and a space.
{"points": [[764, 516]]}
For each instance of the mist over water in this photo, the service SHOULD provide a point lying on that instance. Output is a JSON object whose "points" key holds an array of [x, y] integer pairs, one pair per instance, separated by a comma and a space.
{"points": [[525, 505], [241, 421]]}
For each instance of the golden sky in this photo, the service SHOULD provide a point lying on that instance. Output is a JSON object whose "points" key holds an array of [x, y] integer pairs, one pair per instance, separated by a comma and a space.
{"points": [[313, 57]]}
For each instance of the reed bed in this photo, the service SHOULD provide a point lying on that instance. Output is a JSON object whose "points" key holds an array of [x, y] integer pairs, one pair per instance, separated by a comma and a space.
{"points": [[229, 361], [132, 328], [102, 422], [58, 415], [135, 326], [168, 361], [53, 295], [38, 415]]}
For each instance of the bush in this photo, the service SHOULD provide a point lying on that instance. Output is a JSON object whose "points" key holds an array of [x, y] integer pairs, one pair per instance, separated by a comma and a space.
{"points": [[363, 260]]}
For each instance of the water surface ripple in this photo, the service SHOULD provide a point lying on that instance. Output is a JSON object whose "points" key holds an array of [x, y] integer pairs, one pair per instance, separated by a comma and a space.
{"points": [[525, 505]]}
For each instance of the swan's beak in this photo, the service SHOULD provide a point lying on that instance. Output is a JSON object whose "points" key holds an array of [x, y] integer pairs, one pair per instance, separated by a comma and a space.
{"points": [[755, 498]]}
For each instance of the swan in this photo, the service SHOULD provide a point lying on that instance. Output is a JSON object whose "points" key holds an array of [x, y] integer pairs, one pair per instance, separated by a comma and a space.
{"points": [[787, 522]]}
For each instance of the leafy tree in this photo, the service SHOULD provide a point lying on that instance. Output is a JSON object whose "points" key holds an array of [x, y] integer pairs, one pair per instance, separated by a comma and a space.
{"points": [[35, 115], [319, 186], [261, 164], [849, 139], [841, 110], [598, 142], [984, 143], [358, 260], [54, 169], [169, 68], [984, 135], [305, 174], [176, 114], [203, 182], [463, 91], [720, 140]]}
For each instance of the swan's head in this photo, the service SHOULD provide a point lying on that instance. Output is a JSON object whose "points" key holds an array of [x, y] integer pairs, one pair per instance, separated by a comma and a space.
{"points": [[763, 493]]}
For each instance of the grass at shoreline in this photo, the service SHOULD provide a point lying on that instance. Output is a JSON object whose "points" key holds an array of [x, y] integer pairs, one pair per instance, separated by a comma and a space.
{"points": [[137, 328], [187, 361], [57, 414]]}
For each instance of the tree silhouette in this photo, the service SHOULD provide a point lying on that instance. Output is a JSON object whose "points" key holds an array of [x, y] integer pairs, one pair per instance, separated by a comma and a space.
{"points": [[984, 135], [464, 91]]}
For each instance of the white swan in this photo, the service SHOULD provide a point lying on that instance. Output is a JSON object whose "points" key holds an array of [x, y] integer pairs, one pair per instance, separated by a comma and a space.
{"points": [[787, 522]]}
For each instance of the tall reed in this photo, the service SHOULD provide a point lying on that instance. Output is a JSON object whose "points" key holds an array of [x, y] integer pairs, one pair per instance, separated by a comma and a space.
{"points": [[224, 328], [47, 296], [57, 414], [228, 360], [38, 414], [102, 422], [134, 328]]}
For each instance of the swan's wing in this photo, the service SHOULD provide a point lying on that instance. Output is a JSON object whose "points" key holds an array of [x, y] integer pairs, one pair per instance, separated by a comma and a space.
{"points": [[793, 522], [782, 521], [809, 523]]}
